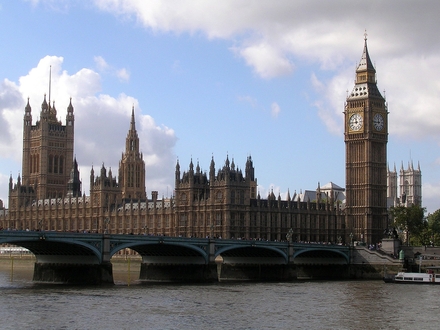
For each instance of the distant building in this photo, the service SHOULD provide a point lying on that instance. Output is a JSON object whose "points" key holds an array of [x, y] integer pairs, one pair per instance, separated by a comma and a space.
{"points": [[409, 190]]}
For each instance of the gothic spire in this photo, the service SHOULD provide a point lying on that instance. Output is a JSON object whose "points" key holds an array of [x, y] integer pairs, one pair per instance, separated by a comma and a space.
{"points": [[50, 81], [28, 106], [70, 107], [44, 106], [132, 124], [365, 63], [365, 83], [132, 140]]}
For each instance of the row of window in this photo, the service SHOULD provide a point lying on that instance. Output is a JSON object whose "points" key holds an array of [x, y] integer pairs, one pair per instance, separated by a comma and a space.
{"points": [[55, 164]]}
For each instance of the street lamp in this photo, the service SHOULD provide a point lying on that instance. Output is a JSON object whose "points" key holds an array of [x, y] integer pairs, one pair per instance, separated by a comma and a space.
{"points": [[106, 222], [289, 235], [351, 239]]}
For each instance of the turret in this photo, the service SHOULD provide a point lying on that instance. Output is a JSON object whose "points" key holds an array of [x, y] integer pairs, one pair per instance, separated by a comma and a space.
{"points": [[74, 183], [177, 174], [212, 170], [92, 178], [250, 171], [191, 172], [70, 118], [27, 115]]}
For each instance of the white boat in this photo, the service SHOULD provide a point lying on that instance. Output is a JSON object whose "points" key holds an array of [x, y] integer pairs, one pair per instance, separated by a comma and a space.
{"points": [[430, 277]]}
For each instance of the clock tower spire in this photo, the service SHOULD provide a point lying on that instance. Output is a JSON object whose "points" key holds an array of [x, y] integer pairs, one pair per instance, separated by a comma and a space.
{"points": [[366, 137]]}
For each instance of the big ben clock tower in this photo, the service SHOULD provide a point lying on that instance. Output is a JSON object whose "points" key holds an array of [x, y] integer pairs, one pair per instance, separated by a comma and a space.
{"points": [[366, 137]]}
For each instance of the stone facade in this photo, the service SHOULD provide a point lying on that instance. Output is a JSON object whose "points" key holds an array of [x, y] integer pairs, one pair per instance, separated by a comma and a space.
{"points": [[409, 190], [366, 137], [224, 203]]}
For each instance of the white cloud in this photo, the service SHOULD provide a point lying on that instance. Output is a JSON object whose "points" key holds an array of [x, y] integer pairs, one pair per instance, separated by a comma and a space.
{"points": [[101, 121], [275, 109], [266, 60], [248, 99], [413, 95], [273, 39], [123, 75], [10, 99], [328, 101], [100, 63], [104, 67], [430, 193]]}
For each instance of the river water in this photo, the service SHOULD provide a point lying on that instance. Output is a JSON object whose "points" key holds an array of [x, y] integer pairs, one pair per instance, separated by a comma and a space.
{"points": [[132, 305]]}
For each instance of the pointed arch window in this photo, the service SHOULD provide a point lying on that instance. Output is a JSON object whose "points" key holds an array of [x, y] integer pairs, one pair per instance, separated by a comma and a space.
{"points": [[50, 164], [55, 164], [61, 169]]}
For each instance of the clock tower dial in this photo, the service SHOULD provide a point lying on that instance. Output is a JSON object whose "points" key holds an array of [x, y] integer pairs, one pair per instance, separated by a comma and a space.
{"points": [[366, 141], [355, 122], [378, 122]]}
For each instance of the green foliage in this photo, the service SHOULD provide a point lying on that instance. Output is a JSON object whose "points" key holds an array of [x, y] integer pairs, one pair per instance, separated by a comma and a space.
{"points": [[434, 227], [411, 221]]}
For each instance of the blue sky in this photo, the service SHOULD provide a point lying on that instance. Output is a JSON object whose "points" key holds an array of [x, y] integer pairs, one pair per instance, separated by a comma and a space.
{"points": [[217, 78]]}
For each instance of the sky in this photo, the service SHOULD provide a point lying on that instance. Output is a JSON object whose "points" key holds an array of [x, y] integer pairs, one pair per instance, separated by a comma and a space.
{"points": [[266, 79]]}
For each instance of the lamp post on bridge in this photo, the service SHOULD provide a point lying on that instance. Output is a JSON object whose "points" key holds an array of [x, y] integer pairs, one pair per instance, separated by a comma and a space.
{"points": [[289, 235], [351, 247], [106, 222]]}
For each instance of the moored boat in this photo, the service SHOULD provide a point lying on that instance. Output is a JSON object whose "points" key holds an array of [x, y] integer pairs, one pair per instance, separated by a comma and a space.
{"points": [[430, 277]]}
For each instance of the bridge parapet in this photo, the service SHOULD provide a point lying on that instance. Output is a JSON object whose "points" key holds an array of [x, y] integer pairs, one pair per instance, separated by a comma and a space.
{"points": [[163, 255]]}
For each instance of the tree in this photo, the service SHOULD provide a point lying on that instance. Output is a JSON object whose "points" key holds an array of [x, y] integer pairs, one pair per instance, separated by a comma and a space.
{"points": [[411, 222], [434, 227]]}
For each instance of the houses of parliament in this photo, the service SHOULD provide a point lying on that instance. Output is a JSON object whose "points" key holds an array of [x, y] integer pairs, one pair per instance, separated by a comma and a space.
{"points": [[221, 203]]}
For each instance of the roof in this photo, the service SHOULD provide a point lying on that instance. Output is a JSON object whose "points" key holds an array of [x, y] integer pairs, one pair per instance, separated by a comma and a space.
{"points": [[365, 63], [333, 186]]}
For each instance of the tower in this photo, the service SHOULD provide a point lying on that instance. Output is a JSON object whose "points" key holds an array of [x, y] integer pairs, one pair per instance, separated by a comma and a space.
{"points": [[411, 185], [74, 184], [132, 166], [392, 187], [366, 137], [47, 151]]}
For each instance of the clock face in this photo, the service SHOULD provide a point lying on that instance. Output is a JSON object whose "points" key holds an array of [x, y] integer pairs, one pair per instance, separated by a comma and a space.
{"points": [[378, 122], [355, 122]]}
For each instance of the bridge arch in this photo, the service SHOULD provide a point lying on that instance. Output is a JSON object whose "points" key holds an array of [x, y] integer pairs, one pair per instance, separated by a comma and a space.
{"points": [[240, 252], [43, 246], [315, 253], [162, 248]]}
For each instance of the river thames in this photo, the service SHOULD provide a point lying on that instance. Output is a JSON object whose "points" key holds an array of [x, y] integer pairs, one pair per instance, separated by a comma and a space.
{"points": [[133, 305]]}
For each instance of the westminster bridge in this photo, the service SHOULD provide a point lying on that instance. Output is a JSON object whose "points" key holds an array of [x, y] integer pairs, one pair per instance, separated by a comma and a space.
{"points": [[66, 257]]}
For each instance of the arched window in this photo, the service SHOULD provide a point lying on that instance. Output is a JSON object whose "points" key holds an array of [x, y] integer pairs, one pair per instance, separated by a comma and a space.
{"points": [[61, 168], [50, 164], [55, 164]]}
